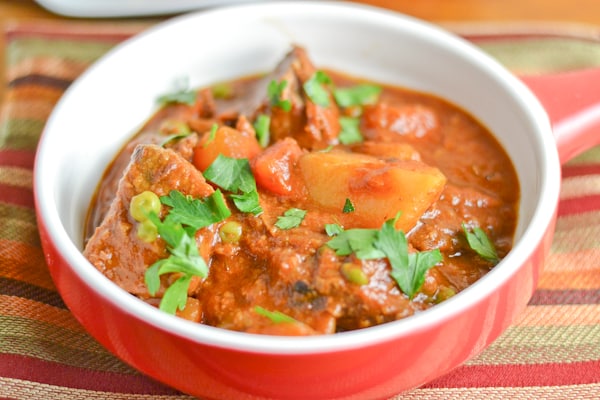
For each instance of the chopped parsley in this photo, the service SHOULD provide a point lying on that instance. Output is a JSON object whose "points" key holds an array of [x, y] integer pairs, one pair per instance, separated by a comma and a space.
{"points": [[235, 176], [350, 132], [357, 95], [315, 90], [177, 229], [212, 134], [348, 206], [261, 126], [408, 269], [292, 218], [276, 317], [181, 94], [481, 244], [275, 91]]}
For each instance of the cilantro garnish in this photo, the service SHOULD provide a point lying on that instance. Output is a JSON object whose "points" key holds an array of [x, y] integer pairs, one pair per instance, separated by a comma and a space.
{"points": [[481, 244], [211, 135], [408, 269], [350, 132], [180, 94], [234, 175], [348, 206], [276, 317], [315, 90], [261, 126], [358, 95], [292, 218], [274, 92]]}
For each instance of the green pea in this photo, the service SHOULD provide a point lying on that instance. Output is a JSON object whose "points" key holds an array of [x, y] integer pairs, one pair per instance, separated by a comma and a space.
{"points": [[147, 231], [230, 232], [354, 274], [143, 204]]}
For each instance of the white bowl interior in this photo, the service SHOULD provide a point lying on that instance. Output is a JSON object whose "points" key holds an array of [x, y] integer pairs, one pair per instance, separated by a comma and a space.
{"points": [[110, 101]]}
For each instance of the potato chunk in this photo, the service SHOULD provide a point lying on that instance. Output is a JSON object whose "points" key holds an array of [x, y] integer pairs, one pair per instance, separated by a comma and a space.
{"points": [[377, 189]]}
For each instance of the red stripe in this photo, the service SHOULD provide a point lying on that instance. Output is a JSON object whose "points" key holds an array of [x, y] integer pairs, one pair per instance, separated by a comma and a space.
{"points": [[579, 205], [51, 373], [17, 158], [521, 375], [579, 170], [17, 196]]}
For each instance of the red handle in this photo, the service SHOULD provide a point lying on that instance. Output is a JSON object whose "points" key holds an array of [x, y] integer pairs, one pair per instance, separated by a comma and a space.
{"points": [[572, 100]]}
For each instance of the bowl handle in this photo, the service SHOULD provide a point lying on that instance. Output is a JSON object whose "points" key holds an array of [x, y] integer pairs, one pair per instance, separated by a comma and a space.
{"points": [[572, 101]]}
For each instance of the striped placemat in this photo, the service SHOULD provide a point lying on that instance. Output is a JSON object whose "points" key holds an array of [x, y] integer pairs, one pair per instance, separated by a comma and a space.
{"points": [[552, 351]]}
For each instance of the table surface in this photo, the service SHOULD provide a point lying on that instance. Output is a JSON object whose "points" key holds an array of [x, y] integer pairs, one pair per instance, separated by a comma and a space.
{"points": [[438, 11]]}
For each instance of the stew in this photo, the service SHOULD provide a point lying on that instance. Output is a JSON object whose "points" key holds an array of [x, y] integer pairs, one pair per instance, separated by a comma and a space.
{"points": [[303, 201]]}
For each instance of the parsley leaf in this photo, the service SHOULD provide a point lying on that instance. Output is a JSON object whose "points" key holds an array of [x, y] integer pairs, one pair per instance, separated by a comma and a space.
{"points": [[274, 92], [408, 269], [261, 126], [357, 95], [180, 94], [350, 132], [292, 218], [235, 176], [314, 88], [184, 259], [196, 213], [348, 206], [276, 317], [480, 242]]}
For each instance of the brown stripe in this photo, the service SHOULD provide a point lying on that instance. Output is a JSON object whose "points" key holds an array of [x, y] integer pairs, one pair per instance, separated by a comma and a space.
{"points": [[11, 287], [556, 297], [40, 80]]}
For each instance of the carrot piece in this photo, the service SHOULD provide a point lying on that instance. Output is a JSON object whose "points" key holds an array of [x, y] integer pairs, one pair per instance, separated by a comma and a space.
{"points": [[227, 141]]}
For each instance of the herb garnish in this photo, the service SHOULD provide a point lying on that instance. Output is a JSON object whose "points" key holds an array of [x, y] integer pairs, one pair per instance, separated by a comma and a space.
{"points": [[235, 176], [181, 94], [348, 206], [261, 126], [315, 90], [481, 244], [178, 228], [350, 132], [292, 218], [357, 95], [276, 317], [408, 269], [274, 92]]}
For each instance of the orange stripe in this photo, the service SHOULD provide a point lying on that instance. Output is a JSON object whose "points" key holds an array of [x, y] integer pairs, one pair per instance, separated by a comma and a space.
{"points": [[33, 310], [555, 280], [48, 66], [574, 261], [33, 92], [561, 315], [24, 263], [32, 108]]}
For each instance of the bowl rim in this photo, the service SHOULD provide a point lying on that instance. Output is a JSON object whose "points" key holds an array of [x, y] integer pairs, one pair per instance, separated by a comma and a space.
{"points": [[541, 220]]}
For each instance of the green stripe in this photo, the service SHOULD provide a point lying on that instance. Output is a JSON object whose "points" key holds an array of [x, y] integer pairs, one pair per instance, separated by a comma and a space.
{"points": [[590, 156], [544, 54], [83, 51], [20, 134], [16, 229], [542, 344], [53, 343]]}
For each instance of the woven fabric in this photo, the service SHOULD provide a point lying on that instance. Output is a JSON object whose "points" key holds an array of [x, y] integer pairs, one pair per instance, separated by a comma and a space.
{"points": [[552, 351]]}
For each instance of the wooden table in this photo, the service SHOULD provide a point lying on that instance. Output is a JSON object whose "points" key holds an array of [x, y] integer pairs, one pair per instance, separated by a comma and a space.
{"points": [[438, 11]]}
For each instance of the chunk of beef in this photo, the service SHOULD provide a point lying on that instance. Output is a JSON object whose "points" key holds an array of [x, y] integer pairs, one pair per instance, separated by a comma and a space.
{"points": [[115, 248]]}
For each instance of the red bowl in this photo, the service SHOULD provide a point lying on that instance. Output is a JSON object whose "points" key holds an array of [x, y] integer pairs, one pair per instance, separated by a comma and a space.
{"points": [[118, 92]]}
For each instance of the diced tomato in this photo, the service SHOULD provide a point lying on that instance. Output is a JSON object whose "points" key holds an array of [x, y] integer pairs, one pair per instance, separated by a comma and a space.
{"points": [[227, 141]]}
